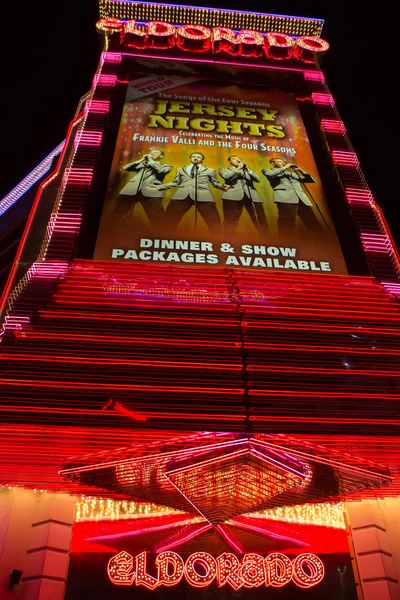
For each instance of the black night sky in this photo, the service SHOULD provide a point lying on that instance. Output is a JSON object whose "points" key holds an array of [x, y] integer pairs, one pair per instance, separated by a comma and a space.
{"points": [[50, 53]]}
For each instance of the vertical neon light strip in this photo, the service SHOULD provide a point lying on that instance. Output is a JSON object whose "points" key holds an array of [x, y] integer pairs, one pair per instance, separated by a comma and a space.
{"points": [[378, 244], [63, 221]]}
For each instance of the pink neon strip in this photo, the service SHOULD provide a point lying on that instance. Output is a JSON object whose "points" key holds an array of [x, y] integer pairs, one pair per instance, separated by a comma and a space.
{"points": [[265, 532], [324, 461], [195, 437], [144, 531], [345, 158], [51, 269], [333, 126], [97, 106], [282, 466], [178, 542], [80, 176], [314, 76], [391, 284], [89, 138], [392, 288], [220, 62], [112, 57], [355, 196], [187, 499], [217, 459], [166, 455], [104, 80], [230, 539], [68, 222], [322, 99]]}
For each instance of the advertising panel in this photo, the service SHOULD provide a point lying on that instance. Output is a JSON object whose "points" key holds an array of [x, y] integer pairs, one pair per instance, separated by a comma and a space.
{"points": [[219, 175]]}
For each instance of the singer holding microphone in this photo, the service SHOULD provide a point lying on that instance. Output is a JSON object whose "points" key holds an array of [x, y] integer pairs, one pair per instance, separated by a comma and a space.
{"points": [[146, 171], [242, 194], [193, 182], [286, 180]]}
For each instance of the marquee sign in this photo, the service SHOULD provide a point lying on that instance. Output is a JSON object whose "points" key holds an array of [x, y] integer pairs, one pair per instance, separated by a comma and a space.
{"points": [[215, 40], [201, 569]]}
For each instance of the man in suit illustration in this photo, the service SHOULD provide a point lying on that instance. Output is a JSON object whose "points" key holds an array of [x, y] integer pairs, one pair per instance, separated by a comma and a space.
{"points": [[290, 198], [193, 182], [146, 171], [241, 194]]}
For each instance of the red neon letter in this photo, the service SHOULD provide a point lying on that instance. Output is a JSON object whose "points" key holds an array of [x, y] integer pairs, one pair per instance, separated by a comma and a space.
{"points": [[279, 45], [170, 568], [143, 578], [194, 37], [224, 40], [279, 570], [252, 570], [109, 25], [307, 47], [160, 34], [308, 570], [228, 571], [251, 43], [120, 569], [134, 37], [200, 569], [208, 565]]}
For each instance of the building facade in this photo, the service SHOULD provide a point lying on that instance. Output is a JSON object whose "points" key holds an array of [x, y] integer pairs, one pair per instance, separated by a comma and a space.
{"points": [[200, 331]]}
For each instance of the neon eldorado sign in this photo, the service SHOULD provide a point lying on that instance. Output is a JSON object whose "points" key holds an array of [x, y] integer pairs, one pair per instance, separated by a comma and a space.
{"points": [[201, 569], [200, 39]]}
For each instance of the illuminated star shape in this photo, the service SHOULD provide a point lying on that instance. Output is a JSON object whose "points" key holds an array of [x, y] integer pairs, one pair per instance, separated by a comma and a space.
{"points": [[221, 478]]}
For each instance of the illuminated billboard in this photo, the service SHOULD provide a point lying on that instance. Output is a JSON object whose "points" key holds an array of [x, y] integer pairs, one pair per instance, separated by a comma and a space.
{"points": [[219, 175]]}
